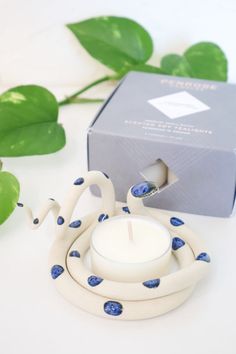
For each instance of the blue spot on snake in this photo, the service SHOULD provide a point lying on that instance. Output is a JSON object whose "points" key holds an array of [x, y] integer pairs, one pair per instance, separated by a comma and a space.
{"points": [[143, 189], [35, 221], [60, 220], [176, 221], [203, 257], [105, 175], [79, 181], [56, 271], [20, 205], [75, 224], [74, 253], [102, 217], [126, 209], [93, 280], [113, 308], [177, 243], [153, 283]]}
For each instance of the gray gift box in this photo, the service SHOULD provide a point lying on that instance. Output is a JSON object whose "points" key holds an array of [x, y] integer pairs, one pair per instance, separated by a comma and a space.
{"points": [[187, 124]]}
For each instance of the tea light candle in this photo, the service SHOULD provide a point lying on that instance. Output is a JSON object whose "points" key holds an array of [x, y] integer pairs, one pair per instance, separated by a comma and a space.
{"points": [[130, 248], [157, 173]]}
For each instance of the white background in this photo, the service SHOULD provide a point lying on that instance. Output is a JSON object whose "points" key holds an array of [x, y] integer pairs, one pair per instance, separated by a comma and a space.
{"points": [[35, 47]]}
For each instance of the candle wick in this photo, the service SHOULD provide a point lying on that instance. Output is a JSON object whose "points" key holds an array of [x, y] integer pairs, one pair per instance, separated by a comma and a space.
{"points": [[130, 231]]}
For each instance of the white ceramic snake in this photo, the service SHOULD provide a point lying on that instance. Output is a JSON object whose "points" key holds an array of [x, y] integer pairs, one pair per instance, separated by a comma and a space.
{"points": [[119, 300]]}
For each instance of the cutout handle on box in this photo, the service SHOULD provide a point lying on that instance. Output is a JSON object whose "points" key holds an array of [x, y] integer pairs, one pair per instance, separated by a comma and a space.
{"points": [[159, 173]]}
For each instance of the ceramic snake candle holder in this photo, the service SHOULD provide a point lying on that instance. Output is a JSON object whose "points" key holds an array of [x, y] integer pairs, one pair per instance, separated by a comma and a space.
{"points": [[109, 298]]}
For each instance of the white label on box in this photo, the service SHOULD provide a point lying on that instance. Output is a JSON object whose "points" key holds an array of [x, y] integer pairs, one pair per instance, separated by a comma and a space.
{"points": [[178, 104]]}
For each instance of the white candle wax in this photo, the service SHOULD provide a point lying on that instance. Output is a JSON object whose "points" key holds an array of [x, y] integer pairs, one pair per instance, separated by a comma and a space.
{"points": [[130, 248], [157, 173]]}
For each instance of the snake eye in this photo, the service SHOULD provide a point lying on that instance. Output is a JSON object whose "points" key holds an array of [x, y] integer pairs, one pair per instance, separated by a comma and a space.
{"points": [[144, 189]]}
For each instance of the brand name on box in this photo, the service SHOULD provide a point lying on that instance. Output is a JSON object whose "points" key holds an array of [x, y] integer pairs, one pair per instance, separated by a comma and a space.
{"points": [[198, 86]]}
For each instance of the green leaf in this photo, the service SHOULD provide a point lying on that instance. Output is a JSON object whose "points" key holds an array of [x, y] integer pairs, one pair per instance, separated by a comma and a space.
{"points": [[116, 42], [169, 62], [9, 194], [203, 61], [183, 69], [207, 61], [28, 122]]}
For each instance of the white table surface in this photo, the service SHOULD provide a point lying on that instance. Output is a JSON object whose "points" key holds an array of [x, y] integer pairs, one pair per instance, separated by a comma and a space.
{"points": [[34, 319]]}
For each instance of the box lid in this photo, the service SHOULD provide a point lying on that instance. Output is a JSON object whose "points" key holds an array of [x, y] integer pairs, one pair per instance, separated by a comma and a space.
{"points": [[176, 110]]}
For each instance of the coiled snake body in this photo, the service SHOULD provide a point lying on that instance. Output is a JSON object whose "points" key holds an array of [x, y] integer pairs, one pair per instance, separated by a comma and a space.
{"points": [[103, 297]]}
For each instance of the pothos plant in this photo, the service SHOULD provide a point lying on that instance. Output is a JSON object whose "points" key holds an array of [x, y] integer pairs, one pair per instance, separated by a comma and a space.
{"points": [[29, 114]]}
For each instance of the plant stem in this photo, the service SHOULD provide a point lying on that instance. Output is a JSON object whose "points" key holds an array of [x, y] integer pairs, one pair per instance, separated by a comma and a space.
{"points": [[86, 100], [70, 98]]}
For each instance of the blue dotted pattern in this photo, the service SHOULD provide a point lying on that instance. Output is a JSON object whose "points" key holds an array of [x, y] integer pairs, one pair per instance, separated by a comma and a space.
{"points": [[153, 283], [79, 181], [176, 221], [36, 221], [56, 271], [74, 253], [103, 217], [20, 205], [126, 209], [113, 308], [203, 257], [93, 280], [75, 224], [143, 189], [60, 220], [177, 243]]}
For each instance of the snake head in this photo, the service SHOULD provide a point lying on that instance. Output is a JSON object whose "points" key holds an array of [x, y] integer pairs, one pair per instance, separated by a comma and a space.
{"points": [[144, 189]]}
